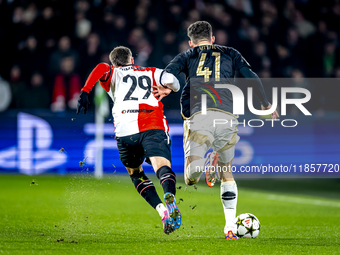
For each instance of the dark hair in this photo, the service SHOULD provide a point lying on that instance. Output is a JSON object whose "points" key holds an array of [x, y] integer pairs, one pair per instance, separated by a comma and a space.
{"points": [[120, 56], [200, 30]]}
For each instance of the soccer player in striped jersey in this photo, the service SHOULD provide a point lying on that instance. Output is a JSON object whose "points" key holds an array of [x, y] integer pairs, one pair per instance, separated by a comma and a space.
{"points": [[140, 126]]}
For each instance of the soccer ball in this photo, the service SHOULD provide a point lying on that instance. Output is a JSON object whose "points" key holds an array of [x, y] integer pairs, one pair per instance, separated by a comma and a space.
{"points": [[248, 226]]}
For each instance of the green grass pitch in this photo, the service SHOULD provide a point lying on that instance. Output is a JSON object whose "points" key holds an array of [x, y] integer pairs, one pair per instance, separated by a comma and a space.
{"points": [[108, 216]]}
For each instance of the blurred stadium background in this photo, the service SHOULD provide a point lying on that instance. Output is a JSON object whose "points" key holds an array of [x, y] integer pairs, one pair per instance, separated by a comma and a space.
{"points": [[48, 48]]}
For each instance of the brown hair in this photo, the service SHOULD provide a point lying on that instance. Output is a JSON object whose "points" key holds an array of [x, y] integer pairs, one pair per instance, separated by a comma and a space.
{"points": [[200, 30], [120, 56]]}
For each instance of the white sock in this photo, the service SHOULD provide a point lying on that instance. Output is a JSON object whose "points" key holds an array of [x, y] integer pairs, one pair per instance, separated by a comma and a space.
{"points": [[195, 169], [160, 209], [229, 201]]}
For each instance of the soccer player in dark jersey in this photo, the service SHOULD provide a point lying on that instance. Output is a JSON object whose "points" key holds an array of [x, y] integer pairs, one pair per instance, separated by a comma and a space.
{"points": [[204, 65]]}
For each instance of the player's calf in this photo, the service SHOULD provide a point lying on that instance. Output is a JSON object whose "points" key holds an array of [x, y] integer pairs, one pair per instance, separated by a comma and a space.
{"points": [[229, 202], [167, 178], [145, 188], [194, 168]]}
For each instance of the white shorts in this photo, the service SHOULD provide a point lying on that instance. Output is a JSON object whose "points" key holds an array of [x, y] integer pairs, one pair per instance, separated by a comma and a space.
{"points": [[215, 129]]}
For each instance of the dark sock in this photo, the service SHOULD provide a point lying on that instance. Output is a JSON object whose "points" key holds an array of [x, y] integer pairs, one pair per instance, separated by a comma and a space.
{"points": [[167, 179], [145, 188]]}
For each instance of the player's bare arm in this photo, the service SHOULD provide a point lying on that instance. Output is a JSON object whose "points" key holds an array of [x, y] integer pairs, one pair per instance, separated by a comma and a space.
{"points": [[168, 82]]}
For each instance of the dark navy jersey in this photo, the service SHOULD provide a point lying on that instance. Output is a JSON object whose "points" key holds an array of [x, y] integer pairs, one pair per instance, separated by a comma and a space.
{"points": [[203, 67]]}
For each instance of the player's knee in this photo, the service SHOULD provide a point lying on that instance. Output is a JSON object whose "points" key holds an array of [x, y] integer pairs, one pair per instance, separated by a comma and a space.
{"points": [[226, 178], [132, 171], [158, 162]]}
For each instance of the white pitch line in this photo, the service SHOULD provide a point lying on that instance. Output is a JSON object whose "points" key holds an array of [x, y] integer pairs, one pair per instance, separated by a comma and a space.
{"points": [[303, 200]]}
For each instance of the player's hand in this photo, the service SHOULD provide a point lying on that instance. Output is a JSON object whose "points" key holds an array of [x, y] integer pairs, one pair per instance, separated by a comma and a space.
{"points": [[275, 115], [161, 92], [83, 102]]}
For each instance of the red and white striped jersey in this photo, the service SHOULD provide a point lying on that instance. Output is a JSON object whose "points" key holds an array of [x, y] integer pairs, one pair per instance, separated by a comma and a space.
{"points": [[135, 108]]}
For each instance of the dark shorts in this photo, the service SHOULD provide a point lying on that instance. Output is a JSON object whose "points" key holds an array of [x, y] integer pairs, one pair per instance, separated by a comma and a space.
{"points": [[133, 149]]}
